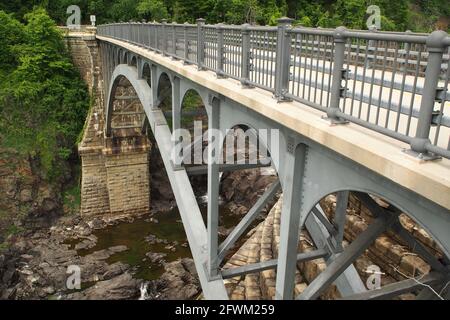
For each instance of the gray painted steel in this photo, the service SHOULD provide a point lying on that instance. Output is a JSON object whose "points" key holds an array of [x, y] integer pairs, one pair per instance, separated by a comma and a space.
{"points": [[285, 59], [307, 171]]}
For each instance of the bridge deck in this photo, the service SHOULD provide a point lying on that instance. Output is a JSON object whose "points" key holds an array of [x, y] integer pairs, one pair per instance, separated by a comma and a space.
{"points": [[375, 151]]}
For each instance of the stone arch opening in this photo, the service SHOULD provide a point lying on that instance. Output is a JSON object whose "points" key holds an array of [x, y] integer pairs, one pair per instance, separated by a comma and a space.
{"points": [[164, 94], [126, 151], [119, 56], [193, 112], [147, 73], [127, 113], [133, 61], [125, 57]]}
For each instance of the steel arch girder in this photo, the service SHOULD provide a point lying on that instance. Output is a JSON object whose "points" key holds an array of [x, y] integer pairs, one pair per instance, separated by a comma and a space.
{"points": [[189, 211], [327, 172], [234, 114]]}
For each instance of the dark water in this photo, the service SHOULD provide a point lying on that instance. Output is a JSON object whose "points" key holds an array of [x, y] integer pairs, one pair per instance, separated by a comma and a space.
{"points": [[132, 235]]}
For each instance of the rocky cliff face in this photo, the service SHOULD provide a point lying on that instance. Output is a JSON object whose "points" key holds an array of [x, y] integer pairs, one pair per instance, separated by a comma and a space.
{"points": [[27, 200]]}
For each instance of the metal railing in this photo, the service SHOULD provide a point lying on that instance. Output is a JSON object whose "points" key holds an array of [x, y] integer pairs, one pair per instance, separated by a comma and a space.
{"points": [[393, 83]]}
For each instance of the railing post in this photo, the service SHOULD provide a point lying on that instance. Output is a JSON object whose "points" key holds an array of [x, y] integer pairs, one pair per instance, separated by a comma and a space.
{"points": [[219, 71], [200, 44], [435, 48], [246, 56], [151, 35], [186, 43], [406, 49], [156, 26], [147, 28], [127, 31], [164, 37], [143, 33], [283, 59], [371, 61], [138, 32], [174, 40], [132, 32], [338, 75]]}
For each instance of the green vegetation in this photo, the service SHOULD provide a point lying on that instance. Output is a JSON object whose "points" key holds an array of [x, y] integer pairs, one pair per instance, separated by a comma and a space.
{"points": [[43, 101], [400, 15], [72, 193]]}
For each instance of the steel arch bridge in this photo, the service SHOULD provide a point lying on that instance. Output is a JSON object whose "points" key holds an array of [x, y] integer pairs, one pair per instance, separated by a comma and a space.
{"points": [[314, 156]]}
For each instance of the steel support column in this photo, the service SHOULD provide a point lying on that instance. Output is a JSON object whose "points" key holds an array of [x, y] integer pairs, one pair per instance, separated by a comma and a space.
{"points": [[290, 221], [176, 104], [154, 86], [339, 218], [213, 188]]}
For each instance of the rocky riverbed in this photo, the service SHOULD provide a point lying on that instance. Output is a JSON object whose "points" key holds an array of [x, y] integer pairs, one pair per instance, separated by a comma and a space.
{"points": [[122, 256], [36, 265]]}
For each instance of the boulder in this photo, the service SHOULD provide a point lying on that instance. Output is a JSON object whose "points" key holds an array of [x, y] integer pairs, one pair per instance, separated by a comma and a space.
{"points": [[180, 280], [122, 287]]}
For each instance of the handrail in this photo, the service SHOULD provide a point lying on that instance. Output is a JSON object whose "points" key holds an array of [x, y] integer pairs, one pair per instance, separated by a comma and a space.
{"points": [[394, 83]]}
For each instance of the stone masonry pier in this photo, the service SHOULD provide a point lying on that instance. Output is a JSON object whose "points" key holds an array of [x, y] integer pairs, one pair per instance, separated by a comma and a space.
{"points": [[115, 171]]}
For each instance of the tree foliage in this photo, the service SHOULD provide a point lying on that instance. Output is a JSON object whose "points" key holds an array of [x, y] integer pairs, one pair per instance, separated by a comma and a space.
{"points": [[43, 101], [400, 15]]}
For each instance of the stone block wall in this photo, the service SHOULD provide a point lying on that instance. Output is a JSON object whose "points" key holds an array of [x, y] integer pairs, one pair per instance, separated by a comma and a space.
{"points": [[128, 182], [94, 190]]}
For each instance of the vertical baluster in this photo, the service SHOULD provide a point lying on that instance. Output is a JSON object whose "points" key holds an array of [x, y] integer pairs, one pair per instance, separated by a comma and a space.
{"points": [[138, 33], [220, 47], [174, 40], [186, 43], [200, 43], [164, 36], [442, 101], [414, 89]]}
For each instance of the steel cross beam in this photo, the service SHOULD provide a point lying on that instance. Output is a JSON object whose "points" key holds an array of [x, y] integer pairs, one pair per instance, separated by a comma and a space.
{"points": [[349, 282], [203, 169], [392, 290], [397, 227], [271, 264], [247, 220], [347, 257]]}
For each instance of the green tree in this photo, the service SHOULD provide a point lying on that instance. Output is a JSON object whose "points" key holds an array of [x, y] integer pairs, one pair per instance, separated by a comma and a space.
{"points": [[153, 10], [11, 33], [43, 99]]}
